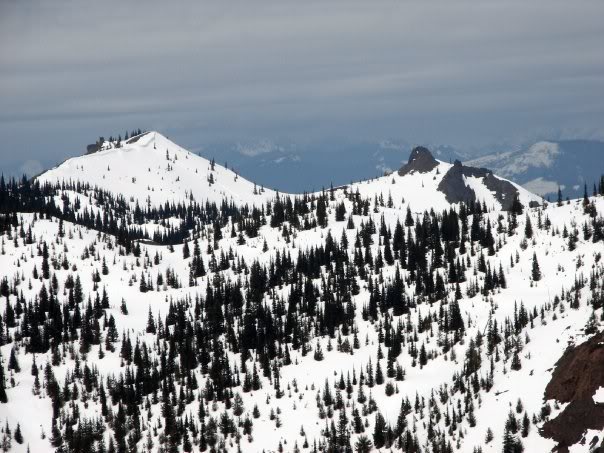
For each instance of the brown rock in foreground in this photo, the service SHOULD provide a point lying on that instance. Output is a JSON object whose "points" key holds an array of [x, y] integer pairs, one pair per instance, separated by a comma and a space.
{"points": [[578, 374]]}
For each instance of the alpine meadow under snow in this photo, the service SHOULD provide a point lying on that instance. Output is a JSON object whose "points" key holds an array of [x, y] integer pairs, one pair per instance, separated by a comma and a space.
{"points": [[155, 301]]}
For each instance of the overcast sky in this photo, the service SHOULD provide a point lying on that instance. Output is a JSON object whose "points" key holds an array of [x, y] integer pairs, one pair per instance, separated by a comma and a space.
{"points": [[461, 73]]}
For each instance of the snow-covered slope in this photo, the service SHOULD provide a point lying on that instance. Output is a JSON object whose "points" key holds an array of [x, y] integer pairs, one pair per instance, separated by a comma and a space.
{"points": [[156, 170], [151, 169], [421, 190], [462, 383], [545, 342], [425, 183]]}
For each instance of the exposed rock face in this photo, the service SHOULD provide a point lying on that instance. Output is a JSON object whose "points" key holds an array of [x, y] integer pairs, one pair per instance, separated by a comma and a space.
{"points": [[504, 190], [420, 160], [453, 183], [578, 374], [455, 189]]}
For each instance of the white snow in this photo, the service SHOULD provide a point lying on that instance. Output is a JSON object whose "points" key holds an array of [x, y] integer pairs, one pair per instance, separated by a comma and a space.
{"points": [[159, 180], [599, 395], [155, 170]]}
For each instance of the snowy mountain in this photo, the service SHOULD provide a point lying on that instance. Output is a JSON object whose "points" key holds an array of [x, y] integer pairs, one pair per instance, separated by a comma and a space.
{"points": [[425, 183], [546, 165], [439, 308], [152, 169]]}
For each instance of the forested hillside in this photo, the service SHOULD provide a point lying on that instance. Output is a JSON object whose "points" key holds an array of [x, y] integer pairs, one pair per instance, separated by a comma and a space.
{"points": [[155, 301]]}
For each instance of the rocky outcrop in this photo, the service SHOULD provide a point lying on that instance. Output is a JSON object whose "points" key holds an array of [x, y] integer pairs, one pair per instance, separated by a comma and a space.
{"points": [[455, 189], [504, 190], [453, 184], [420, 161], [578, 374]]}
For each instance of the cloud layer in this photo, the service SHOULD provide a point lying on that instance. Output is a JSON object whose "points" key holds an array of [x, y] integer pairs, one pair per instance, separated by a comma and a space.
{"points": [[450, 72]]}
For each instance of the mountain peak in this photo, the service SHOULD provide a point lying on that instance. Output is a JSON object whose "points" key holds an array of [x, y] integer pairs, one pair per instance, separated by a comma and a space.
{"points": [[421, 160], [151, 169]]}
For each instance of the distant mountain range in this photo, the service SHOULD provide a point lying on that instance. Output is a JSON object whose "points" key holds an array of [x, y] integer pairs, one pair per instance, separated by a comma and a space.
{"points": [[540, 167], [545, 165], [298, 167]]}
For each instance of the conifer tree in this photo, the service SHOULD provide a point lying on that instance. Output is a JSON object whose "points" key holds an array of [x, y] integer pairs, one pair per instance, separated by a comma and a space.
{"points": [[123, 307], [516, 364], [455, 318], [13, 363], [363, 445], [379, 431], [318, 352], [536, 271], [528, 228], [150, 322], [3, 397], [18, 435]]}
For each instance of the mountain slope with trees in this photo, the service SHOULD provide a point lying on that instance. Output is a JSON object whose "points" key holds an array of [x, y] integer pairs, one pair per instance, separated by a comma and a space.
{"points": [[374, 316]]}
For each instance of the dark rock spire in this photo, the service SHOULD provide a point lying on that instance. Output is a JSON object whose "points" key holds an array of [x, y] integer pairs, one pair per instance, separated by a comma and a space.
{"points": [[420, 160]]}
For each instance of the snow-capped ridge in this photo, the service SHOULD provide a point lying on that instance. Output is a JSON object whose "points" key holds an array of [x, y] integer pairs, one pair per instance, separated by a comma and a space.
{"points": [[457, 183], [259, 332], [151, 169]]}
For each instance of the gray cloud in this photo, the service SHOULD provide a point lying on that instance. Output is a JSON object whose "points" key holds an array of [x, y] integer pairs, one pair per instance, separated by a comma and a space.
{"points": [[454, 72]]}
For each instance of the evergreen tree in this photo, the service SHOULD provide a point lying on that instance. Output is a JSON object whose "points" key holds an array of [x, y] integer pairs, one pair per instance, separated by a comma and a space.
{"points": [[13, 363], [123, 307], [536, 271], [528, 228], [18, 435], [379, 431], [3, 397], [363, 445], [318, 352], [516, 364], [150, 323], [455, 318]]}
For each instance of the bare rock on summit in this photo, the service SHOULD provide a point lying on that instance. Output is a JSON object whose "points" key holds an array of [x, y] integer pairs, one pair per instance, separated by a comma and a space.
{"points": [[421, 160], [456, 190], [454, 186]]}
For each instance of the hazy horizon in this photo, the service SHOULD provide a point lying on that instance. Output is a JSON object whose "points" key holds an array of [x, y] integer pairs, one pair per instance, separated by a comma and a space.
{"points": [[465, 74]]}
